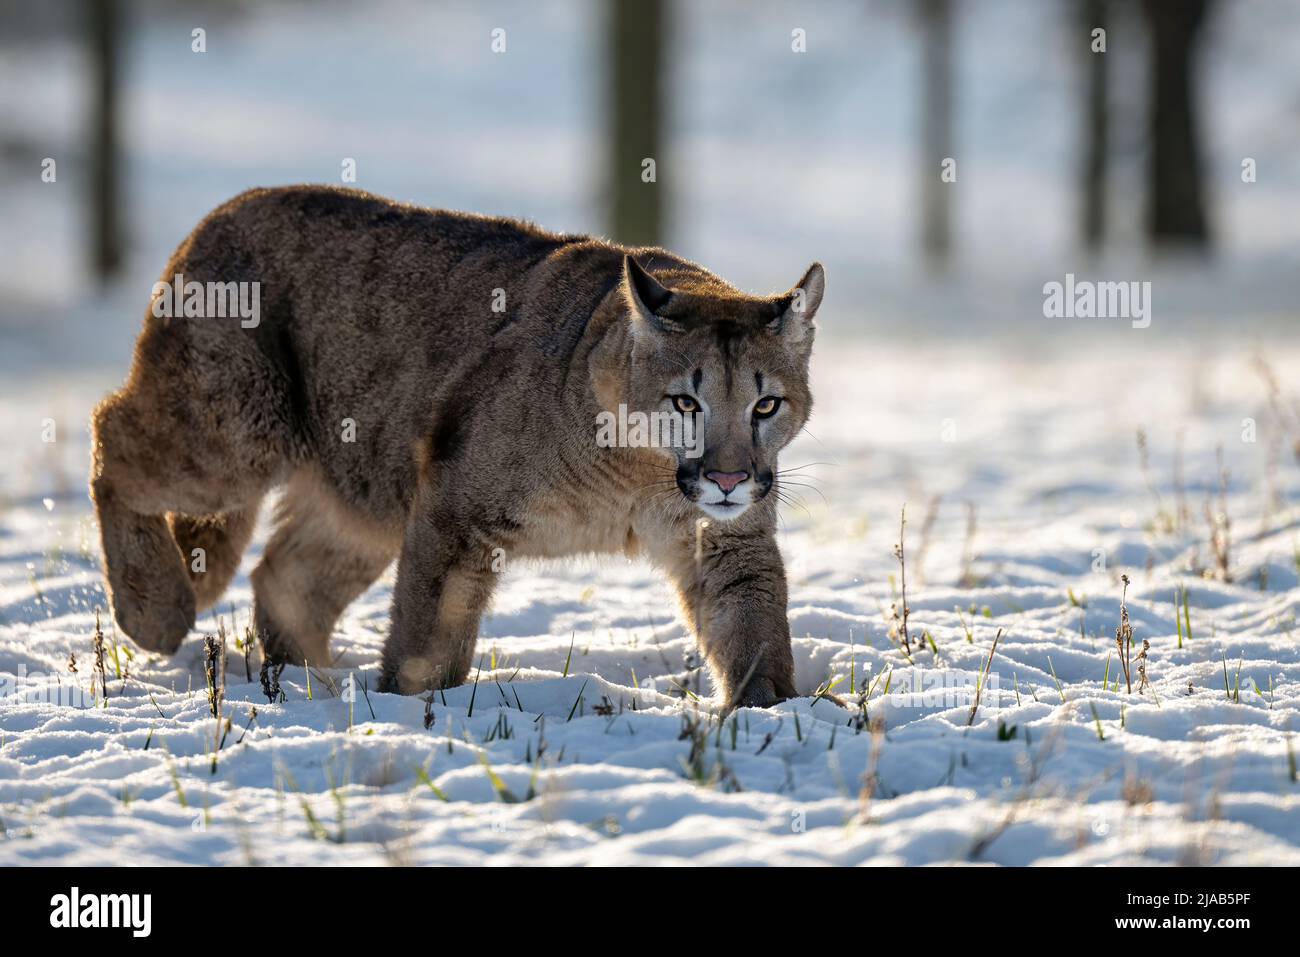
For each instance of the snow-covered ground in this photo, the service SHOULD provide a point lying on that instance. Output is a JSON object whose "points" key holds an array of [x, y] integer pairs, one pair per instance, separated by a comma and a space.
{"points": [[946, 395], [619, 761]]}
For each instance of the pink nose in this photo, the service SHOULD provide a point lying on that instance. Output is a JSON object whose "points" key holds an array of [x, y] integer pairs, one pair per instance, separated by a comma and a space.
{"points": [[726, 480]]}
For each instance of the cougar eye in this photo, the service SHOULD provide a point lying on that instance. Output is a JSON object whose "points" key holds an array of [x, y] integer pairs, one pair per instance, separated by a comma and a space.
{"points": [[685, 404], [766, 408]]}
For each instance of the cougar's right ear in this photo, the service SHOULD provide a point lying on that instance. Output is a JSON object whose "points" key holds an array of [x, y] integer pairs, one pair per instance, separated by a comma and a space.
{"points": [[646, 298]]}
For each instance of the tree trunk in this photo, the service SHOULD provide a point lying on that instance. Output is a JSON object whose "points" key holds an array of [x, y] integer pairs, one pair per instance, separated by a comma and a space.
{"points": [[636, 42], [106, 228], [1175, 205], [936, 128], [1095, 130]]}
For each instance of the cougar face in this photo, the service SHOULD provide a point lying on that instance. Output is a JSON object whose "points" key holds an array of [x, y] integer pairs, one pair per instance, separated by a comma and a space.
{"points": [[733, 369]]}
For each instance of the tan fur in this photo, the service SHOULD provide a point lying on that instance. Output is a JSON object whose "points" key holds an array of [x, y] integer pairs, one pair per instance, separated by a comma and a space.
{"points": [[475, 431], [323, 555]]}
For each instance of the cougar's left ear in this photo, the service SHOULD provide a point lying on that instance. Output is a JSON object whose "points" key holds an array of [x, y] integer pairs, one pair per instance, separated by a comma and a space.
{"points": [[795, 321]]}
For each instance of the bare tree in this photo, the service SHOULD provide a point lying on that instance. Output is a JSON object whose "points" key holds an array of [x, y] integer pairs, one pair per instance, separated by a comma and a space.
{"points": [[936, 127], [106, 239], [1175, 205], [636, 46], [1095, 127]]}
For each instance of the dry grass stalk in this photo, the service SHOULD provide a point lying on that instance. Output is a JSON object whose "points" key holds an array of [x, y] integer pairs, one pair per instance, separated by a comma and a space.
{"points": [[967, 579], [214, 651], [99, 669], [1220, 524], [979, 688], [270, 677], [871, 776], [1124, 637], [1288, 417], [900, 620], [1274, 501], [1163, 519], [927, 529]]}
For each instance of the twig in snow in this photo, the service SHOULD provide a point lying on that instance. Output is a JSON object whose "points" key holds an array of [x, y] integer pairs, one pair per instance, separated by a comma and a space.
{"points": [[984, 677]]}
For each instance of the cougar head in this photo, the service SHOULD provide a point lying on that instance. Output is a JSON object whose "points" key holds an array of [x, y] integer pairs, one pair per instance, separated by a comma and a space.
{"points": [[729, 371]]}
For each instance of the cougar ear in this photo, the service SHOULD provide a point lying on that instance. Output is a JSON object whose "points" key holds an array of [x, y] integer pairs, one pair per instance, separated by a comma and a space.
{"points": [[647, 298], [799, 306]]}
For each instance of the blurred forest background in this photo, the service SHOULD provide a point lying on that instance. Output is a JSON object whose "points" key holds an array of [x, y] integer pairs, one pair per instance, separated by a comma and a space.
{"points": [[780, 133]]}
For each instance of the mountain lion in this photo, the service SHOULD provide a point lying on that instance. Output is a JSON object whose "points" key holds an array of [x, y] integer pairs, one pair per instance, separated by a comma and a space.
{"points": [[427, 386]]}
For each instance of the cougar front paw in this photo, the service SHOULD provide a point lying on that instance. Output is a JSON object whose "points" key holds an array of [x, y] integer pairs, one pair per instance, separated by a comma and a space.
{"points": [[282, 646], [757, 693]]}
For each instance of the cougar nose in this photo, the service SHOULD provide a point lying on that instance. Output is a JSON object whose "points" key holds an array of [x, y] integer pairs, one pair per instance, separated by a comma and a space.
{"points": [[726, 480]]}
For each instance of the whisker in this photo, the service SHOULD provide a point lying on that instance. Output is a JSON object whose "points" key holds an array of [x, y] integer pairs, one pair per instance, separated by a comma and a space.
{"points": [[798, 505], [666, 483], [817, 440], [806, 465], [813, 488], [786, 498]]}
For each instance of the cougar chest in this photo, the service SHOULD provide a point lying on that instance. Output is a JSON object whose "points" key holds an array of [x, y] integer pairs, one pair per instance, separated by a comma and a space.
{"points": [[565, 523]]}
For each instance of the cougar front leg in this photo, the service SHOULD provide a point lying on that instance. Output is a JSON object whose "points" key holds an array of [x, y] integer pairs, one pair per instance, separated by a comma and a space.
{"points": [[732, 587], [443, 585]]}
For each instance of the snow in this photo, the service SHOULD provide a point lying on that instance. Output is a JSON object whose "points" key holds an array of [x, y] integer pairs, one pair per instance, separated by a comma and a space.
{"points": [[1185, 771], [955, 387]]}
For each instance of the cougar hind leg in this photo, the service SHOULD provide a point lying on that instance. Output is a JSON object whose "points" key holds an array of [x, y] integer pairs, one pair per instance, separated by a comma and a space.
{"points": [[320, 559], [160, 490], [211, 547], [148, 588]]}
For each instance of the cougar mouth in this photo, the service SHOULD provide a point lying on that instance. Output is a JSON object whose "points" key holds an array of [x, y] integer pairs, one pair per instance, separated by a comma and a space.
{"points": [[724, 511]]}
